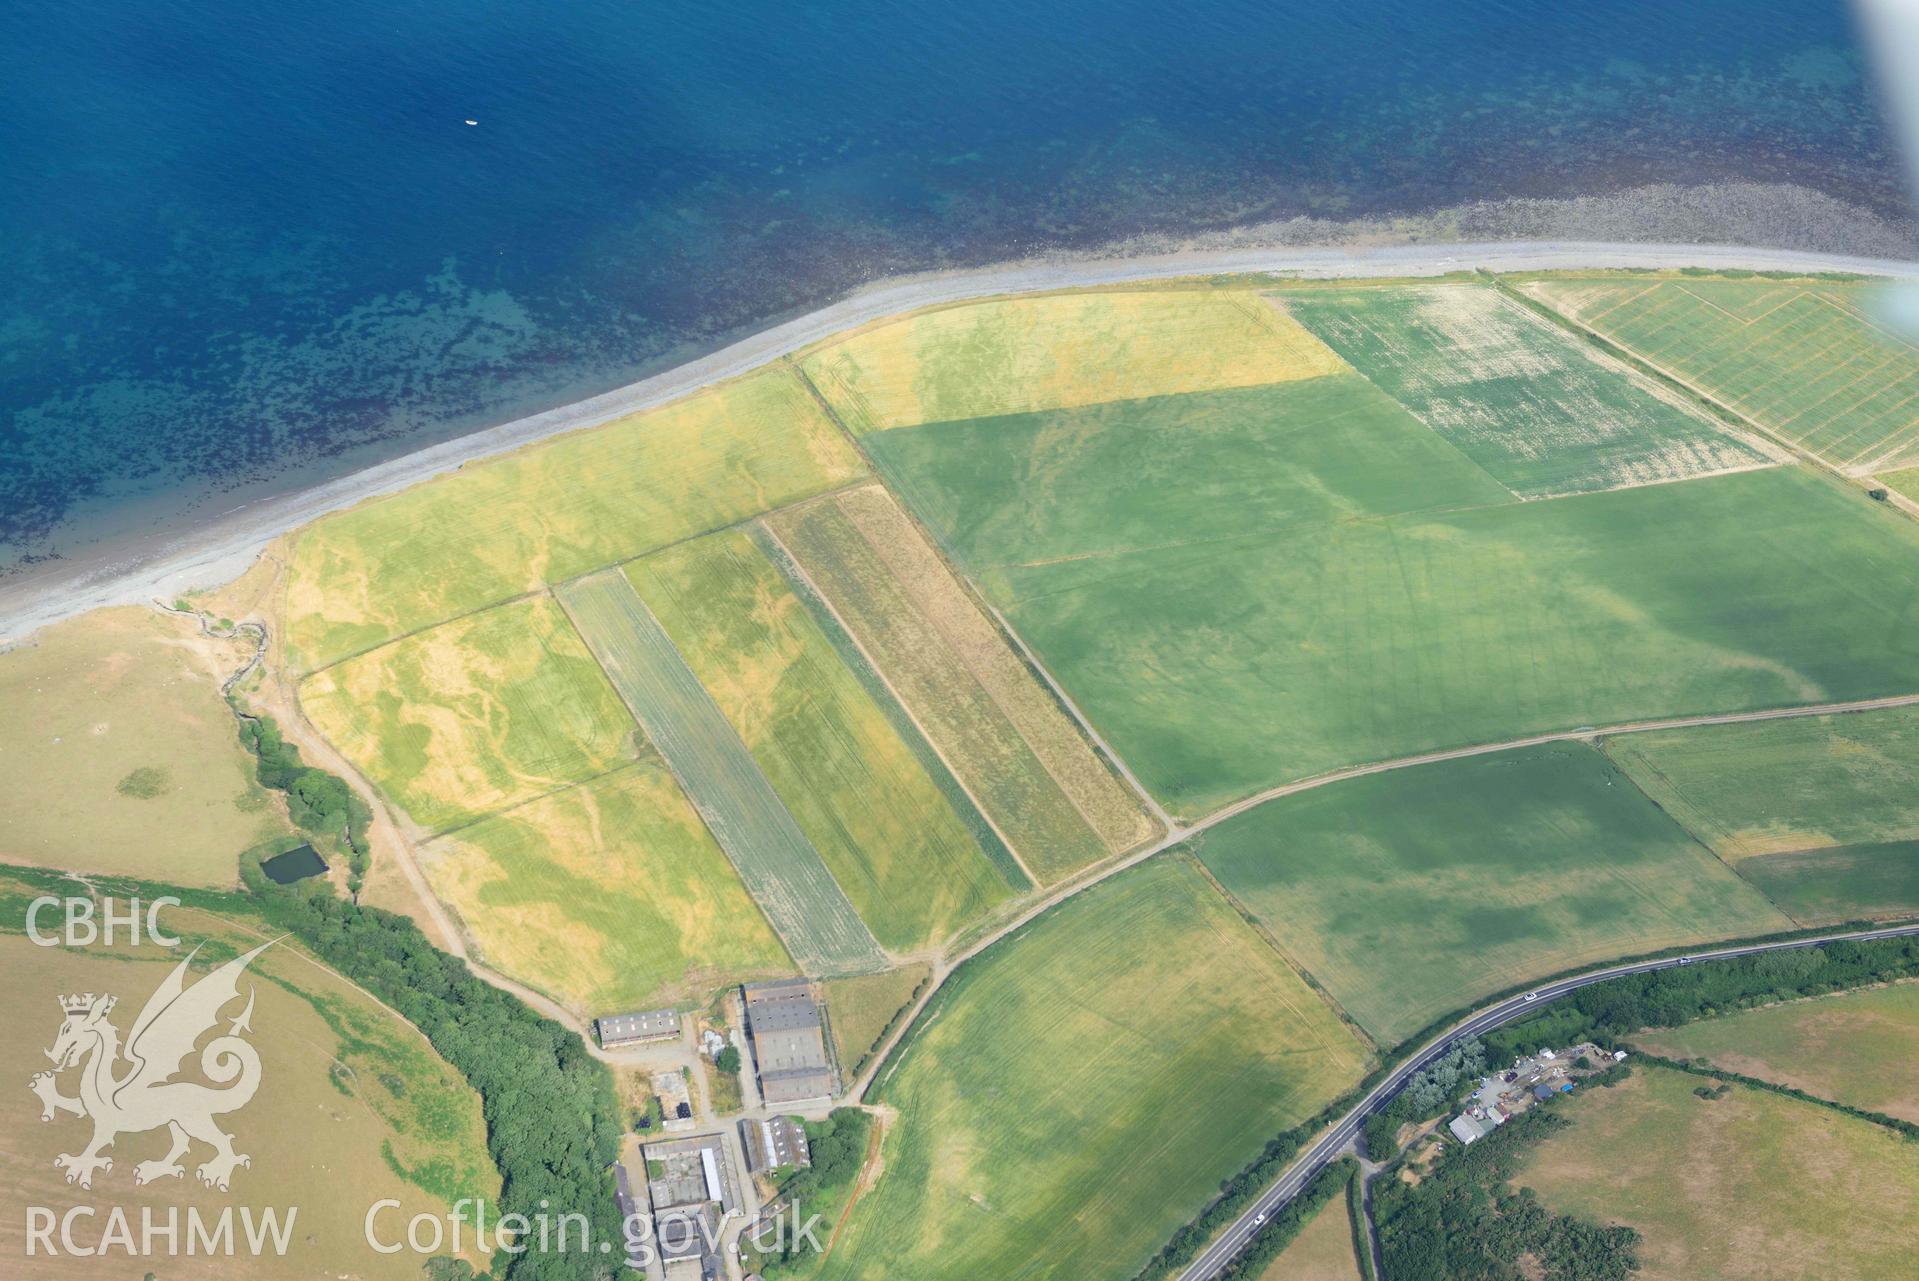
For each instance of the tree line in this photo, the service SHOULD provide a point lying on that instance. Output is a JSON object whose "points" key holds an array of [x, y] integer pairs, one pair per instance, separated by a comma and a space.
{"points": [[552, 1121], [1702, 1068], [1605, 1012], [1601, 1012], [1427, 1091], [1287, 1222], [316, 800]]}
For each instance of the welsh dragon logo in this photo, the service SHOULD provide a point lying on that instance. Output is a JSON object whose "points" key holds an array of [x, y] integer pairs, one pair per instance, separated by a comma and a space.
{"points": [[131, 1090]]}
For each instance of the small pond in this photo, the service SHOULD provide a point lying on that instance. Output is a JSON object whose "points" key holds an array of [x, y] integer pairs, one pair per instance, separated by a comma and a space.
{"points": [[295, 865]]}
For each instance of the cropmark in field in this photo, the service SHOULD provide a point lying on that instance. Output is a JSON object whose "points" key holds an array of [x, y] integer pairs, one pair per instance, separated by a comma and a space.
{"points": [[1020, 757], [1543, 412], [1821, 813], [1219, 669], [474, 715], [1077, 1092], [1802, 359], [1412, 893], [1770, 787], [775, 859], [1069, 485], [504, 526], [885, 830], [606, 896], [1847, 883], [1046, 351]]}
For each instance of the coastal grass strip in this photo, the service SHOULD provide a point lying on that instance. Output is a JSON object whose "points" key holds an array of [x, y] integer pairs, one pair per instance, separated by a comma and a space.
{"points": [[504, 526], [781, 868]]}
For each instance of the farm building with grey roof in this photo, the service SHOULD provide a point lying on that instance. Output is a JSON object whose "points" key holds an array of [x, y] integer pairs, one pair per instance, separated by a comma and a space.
{"points": [[638, 1027], [788, 1036]]}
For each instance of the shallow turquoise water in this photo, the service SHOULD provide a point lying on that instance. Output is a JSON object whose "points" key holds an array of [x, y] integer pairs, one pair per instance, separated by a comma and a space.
{"points": [[256, 240]]}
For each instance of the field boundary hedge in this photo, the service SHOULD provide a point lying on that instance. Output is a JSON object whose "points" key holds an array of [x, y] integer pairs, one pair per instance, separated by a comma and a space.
{"points": [[1360, 1223], [1706, 1070]]}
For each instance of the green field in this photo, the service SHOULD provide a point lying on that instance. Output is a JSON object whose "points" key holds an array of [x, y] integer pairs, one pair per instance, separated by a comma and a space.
{"points": [[1412, 893], [1045, 351], [475, 715], [1020, 758], [779, 865], [1855, 1047], [1905, 481], [504, 526], [1821, 813], [1852, 882], [886, 831], [1137, 475], [1749, 1187], [1080, 1089], [1221, 668], [1542, 411], [607, 897], [1773, 787], [1801, 359]]}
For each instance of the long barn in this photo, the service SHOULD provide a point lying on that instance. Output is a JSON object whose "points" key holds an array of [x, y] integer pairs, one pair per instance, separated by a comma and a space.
{"points": [[788, 1037]]}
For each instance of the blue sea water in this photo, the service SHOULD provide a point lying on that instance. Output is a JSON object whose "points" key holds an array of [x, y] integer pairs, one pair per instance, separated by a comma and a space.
{"points": [[250, 242]]}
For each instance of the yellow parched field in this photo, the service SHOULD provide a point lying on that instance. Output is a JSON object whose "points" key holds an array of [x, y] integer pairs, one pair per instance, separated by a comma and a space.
{"points": [[881, 824], [353, 1107], [862, 1008], [474, 715], [1323, 1251], [1016, 355], [1106, 804], [606, 896], [1749, 1187], [117, 754], [1019, 755], [1857, 1047], [552, 511]]}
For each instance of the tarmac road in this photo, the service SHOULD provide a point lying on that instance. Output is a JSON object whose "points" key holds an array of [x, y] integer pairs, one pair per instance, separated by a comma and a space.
{"points": [[944, 966], [1216, 1256]]}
